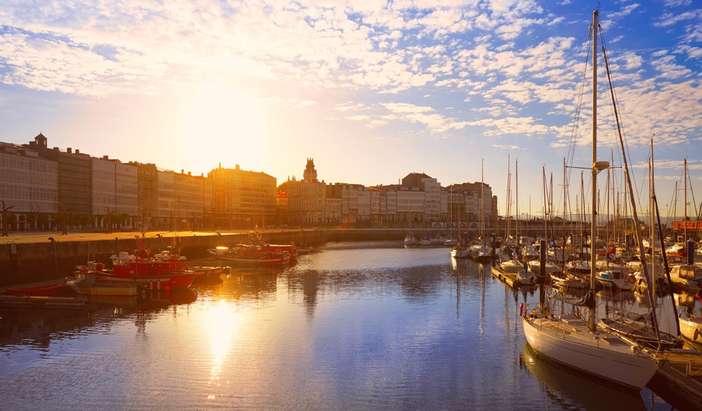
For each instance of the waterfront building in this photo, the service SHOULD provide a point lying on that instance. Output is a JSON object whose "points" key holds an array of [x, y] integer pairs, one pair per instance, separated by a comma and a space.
{"points": [[181, 200], [147, 193], [114, 193], [242, 197], [464, 202], [306, 198], [74, 183], [29, 188]]}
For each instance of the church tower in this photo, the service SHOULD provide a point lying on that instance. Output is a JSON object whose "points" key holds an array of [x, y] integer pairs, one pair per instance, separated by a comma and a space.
{"points": [[310, 173]]}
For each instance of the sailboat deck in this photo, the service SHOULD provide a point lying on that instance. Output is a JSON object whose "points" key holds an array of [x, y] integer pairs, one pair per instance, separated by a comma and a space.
{"points": [[576, 330]]}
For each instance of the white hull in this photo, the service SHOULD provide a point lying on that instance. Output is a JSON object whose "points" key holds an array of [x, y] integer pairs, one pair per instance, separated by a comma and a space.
{"points": [[691, 330], [576, 347]]}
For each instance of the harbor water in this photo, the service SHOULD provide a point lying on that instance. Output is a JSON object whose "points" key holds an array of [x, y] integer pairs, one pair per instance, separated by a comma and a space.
{"points": [[352, 326]]}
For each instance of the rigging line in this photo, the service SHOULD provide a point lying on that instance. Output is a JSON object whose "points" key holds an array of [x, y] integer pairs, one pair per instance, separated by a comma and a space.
{"points": [[570, 152], [637, 227], [578, 109], [620, 124]]}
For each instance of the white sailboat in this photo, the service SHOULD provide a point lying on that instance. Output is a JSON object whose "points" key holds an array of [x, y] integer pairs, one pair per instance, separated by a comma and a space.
{"points": [[572, 342]]}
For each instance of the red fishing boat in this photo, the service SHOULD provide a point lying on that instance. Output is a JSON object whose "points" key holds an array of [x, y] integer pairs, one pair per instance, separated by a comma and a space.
{"points": [[161, 271]]}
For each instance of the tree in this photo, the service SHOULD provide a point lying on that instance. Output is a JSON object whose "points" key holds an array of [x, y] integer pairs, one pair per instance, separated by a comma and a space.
{"points": [[5, 210]]}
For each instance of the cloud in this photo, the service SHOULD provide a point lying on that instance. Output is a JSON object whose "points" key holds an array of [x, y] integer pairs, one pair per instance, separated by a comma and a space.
{"points": [[506, 146], [669, 19]]}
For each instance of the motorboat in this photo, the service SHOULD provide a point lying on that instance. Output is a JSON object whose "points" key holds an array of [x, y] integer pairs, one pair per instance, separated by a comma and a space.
{"points": [[251, 255]]}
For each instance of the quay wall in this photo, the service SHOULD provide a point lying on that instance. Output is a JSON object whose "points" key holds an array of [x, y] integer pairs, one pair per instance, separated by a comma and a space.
{"points": [[41, 261]]}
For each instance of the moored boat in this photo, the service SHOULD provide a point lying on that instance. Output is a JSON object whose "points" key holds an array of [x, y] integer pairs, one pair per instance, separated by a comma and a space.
{"points": [[617, 279], [251, 255]]}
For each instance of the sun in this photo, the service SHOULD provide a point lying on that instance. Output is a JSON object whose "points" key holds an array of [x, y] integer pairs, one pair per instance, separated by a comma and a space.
{"points": [[224, 121]]}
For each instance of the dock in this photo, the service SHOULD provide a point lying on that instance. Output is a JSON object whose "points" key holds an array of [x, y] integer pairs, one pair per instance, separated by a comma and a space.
{"points": [[509, 279]]}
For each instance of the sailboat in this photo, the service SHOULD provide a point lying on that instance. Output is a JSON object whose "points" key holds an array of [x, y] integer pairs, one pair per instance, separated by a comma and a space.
{"points": [[480, 252], [572, 341]]}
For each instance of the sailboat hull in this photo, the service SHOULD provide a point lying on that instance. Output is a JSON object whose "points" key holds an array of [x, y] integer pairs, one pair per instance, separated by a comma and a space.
{"points": [[582, 351]]}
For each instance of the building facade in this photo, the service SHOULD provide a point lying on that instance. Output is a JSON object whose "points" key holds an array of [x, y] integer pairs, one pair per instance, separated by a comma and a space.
{"points": [[241, 197], [114, 193], [28, 188]]}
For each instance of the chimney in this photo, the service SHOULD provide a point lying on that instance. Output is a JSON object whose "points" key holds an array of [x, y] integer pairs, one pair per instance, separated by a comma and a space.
{"points": [[69, 150], [77, 151], [105, 157]]}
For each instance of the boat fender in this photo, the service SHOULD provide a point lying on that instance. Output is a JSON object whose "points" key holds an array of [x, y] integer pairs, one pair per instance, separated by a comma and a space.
{"points": [[522, 310]]}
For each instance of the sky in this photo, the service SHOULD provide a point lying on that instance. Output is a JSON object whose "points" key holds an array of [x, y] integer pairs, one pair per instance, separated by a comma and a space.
{"points": [[371, 90]]}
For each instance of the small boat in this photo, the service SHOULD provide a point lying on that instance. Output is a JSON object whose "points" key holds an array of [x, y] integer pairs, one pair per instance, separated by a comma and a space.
{"points": [[94, 287], [676, 250], [57, 288], [549, 267], [686, 275], [526, 277], [450, 242], [617, 279], [251, 255], [410, 241], [459, 252], [565, 280], [691, 328], [424, 242]]}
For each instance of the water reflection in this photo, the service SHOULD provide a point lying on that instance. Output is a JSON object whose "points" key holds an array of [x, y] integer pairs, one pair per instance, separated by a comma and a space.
{"points": [[411, 331], [569, 389]]}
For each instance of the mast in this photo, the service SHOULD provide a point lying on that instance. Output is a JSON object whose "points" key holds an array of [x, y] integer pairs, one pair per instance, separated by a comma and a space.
{"points": [[685, 200], [543, 179], [652, 222], [592, 322], [565, 206], [516, 200], [482, 235], [509, 199]]}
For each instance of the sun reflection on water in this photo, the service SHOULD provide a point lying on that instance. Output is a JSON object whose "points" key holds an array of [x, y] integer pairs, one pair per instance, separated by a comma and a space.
{"points": [[221, 321]]}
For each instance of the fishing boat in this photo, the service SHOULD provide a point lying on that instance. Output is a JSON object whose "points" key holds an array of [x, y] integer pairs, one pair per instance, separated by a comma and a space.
{"points": [[163, 271], [573, 341], [250, 255], [480, 253]]}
